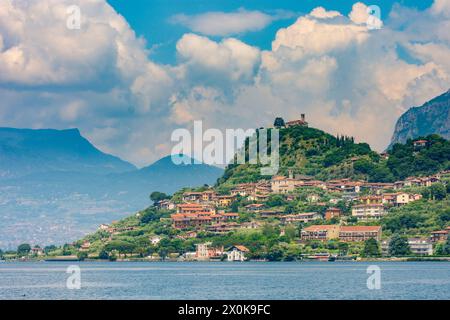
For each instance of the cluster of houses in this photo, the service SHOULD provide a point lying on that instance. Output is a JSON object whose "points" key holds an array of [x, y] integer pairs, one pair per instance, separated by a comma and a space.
{"points": [[418, 246], [196, 215], [206, 251], [374, 206], [200, 210], [283, 184]]}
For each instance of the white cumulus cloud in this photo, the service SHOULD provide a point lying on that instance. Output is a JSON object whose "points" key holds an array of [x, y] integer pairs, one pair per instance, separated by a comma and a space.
{"points": [[224, 23]]}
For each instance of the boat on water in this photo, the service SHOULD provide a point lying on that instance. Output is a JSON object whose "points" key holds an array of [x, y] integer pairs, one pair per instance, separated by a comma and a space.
{"points": [[321, 257]]}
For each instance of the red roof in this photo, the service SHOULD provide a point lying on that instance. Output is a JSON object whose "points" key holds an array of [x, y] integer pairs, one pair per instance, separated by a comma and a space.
{"points": [[324, 227], [242, 248], [360, 228], [189, 205]]}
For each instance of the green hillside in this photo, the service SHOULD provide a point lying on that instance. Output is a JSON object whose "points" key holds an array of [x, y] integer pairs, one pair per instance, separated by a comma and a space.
{"points": [[318, 154]]}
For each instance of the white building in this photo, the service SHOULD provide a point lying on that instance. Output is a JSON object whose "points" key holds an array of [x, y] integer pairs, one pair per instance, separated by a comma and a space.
{"points": [[418, 247], [155, 240], [237, 253], [368, 211]]}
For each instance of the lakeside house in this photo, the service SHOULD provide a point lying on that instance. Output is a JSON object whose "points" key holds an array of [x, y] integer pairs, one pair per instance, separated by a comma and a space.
{"points": [[417, 246], [320, 232], [359, 233], [37, 251], [206, 251], [343, 233], [237, 253]]}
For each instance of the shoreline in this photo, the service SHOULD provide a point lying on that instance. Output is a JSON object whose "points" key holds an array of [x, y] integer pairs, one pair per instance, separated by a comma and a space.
{"points": [[403, 259]]}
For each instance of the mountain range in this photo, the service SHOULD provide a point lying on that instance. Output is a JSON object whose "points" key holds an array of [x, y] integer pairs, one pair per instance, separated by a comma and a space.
{"points": [[56, 186]]}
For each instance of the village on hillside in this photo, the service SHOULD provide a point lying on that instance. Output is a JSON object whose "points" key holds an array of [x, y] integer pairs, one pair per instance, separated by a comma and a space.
{"points": [[292, 217]]}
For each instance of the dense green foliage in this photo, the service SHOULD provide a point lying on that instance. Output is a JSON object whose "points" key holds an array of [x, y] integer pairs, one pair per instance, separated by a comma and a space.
{"points": [[157, 196], [419, 217], [278, 123], [398, 246], [313, 152], [371, 248], [307, 151], [443, 249], [23, 249], [406, 160]]}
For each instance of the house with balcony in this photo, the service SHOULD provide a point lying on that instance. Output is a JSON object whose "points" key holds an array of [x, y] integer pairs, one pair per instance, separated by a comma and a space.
{"points": [[320, 232], [359, 233], [331, 213], [368, 211], [440, 235], [301, 217]]}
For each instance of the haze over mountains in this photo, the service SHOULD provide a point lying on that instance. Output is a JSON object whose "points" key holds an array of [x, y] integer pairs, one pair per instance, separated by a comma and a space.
{"points": [[431, 117], [55, 185]]}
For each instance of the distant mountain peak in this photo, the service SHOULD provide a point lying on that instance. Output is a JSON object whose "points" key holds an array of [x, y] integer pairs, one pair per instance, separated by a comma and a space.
{"points": [[433, 117], [29, 151]]}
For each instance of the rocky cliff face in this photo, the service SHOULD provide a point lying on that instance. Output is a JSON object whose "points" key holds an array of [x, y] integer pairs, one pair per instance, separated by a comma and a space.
{"points": [[432, 117]]}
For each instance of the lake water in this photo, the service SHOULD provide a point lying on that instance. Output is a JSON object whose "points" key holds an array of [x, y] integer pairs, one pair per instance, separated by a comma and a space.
{"points": [[166, 280]]}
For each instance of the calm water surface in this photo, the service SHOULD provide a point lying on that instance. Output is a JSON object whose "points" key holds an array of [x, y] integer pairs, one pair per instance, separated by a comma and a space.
{"points": [[304, 280]]}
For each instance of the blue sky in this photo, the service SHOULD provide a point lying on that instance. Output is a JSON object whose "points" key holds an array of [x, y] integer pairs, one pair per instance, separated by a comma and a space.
{"points": [[137, 70], [151, 18]]}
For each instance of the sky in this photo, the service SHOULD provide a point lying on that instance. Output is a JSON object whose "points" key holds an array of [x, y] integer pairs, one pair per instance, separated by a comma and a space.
{"points": [[137, 70]]}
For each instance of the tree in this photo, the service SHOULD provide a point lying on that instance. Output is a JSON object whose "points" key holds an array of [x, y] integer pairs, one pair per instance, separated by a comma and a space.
{"points": [[50, 248], [371, 248], [343, 248], [290, 208], [158, 196], [275, 200], [270, 231], [103, 255], [444, 248], [81, 255], [123, 247], [290, 231], [398, 246], [163, 252], [234, 206], [274, 254], [279, 122], [1, 254], [150, 215], [23, 249], [438, 191]]}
